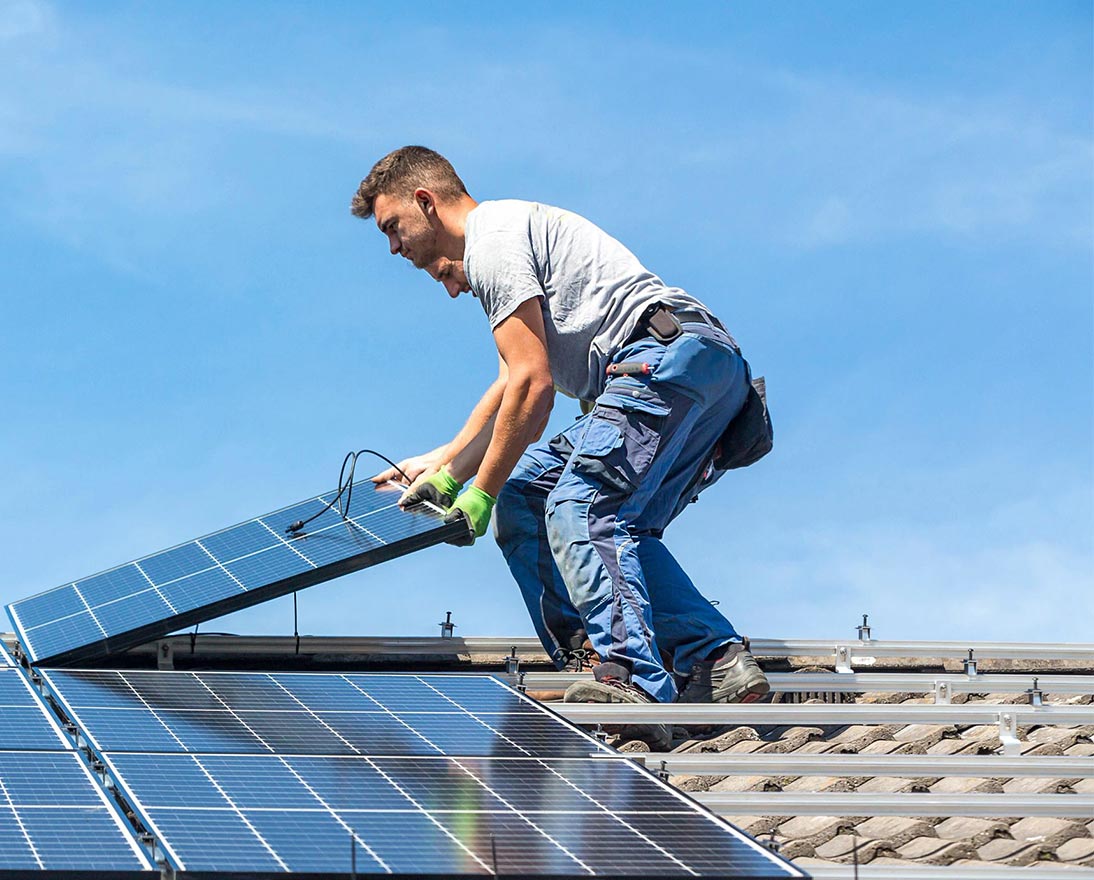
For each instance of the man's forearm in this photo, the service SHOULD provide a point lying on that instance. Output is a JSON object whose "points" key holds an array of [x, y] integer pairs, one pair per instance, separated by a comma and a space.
{"points": [[526, 402]]}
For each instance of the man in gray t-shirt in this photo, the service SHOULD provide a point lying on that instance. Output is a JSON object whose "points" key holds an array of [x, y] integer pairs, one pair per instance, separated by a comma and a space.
{"points": [[578, 517]]}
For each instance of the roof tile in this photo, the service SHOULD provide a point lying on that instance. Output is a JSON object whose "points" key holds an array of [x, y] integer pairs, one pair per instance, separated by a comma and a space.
{"points": [[936, 851], [1013, 852], [977, 832], [1051, 832], [1078, 850], [1042, 785], [889, 784], [746, 783], [814, 829], [966, 784], [847, 847], [819, 783], [925, 734], [898, 830], [756, 825]]}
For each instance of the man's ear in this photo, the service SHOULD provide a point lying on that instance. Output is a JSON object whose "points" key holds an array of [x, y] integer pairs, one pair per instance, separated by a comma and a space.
{"points": [[424, 199]]}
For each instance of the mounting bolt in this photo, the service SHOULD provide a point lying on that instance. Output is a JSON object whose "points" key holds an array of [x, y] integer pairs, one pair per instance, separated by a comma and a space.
{"points": [[663, 772], [512, 662], [447, 626], [521, 686], [600, 733], [1035, 695], [863, 630], [970, 665]]}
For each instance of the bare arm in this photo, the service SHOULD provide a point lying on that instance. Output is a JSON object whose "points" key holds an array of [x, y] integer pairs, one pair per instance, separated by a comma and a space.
{"points": [[526, 396]]}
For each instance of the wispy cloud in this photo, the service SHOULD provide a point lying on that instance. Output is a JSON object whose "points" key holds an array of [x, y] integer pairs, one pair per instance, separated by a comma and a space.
{"points": [[23, 18]]}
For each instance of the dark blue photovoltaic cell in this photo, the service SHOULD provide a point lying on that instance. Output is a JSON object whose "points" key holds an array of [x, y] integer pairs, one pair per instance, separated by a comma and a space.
{"points": [[230, 569], [52, 815], [44, 779], [429, 773], [23, 722], [5, 657], [79, 839], [289, 713]]}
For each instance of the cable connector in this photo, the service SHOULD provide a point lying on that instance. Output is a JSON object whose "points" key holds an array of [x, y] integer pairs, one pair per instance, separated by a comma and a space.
{"points": [[295, 527]]}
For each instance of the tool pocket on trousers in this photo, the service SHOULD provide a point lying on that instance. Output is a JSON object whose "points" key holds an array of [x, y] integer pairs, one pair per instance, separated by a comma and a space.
{"points": [[618, 448]]}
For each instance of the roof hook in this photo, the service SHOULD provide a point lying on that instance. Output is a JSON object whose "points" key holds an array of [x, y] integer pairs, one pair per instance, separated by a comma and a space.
{"points": [[970, 665], [864, 629]]}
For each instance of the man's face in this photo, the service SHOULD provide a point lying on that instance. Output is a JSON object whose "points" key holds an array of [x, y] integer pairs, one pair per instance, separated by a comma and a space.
{"points": [[449, 273], [408, 230], [406, 223]]}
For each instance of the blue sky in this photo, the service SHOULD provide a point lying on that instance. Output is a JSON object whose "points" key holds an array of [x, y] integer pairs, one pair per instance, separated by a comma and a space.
{"points": [[891, 206]]}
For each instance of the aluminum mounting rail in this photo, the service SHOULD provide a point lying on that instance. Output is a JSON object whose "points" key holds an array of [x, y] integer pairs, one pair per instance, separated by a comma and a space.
{"points": [[913, 871], [529, 648], [827, 803], [834, 764], [802, 714], [846, 653], [876, 682]]}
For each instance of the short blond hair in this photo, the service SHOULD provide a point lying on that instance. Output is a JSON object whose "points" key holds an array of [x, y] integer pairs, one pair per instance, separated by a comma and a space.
{"points": [[401, 172]]}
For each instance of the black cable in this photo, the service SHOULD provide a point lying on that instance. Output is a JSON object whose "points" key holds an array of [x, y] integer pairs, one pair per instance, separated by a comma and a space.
{"points": [[345, 487]]}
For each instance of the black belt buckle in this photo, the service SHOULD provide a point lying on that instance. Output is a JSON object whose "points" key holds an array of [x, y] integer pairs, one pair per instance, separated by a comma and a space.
{"points": [[663, 325]]}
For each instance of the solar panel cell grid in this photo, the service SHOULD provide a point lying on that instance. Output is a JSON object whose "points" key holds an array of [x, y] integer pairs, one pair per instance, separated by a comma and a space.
{"points": [[5, 657], [24, 723], [463, 787], [54, 817], [230, 569]]}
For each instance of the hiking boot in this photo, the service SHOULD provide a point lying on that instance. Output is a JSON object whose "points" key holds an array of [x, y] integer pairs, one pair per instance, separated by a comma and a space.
{"points": [[735, 677], [609, 689]]}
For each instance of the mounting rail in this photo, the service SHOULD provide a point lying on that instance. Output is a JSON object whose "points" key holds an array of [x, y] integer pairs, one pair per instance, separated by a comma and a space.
{"points": [[804, 714], [877, 682], [826, 803], [835, 764]]}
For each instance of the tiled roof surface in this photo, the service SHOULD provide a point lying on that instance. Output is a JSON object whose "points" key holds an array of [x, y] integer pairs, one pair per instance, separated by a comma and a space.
{"points": [[943, 839]]}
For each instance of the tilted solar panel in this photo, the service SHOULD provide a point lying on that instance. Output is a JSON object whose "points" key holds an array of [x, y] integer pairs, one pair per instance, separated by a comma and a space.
{"points": [[5, 657], [426, 774], [231, 569], [53, 815]]}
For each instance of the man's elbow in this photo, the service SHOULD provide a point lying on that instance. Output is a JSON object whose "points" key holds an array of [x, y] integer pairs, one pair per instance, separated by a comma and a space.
{"points": [[542, 394], [538, 394]]}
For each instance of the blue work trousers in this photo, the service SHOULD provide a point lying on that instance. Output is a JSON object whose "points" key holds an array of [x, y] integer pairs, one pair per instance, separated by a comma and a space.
{"points": [[580, 520]]}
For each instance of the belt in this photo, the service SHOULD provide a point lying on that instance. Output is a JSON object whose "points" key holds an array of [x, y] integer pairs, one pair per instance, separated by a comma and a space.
{"points": [[679, 316], [694, 316]]}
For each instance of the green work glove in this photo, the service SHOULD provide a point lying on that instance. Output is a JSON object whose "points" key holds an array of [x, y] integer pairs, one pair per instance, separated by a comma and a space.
{"points": [[472, 508], [440, 489]]}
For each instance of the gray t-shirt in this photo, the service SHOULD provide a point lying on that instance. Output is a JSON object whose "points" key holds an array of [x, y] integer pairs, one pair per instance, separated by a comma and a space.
{"points": [[592, 289]]}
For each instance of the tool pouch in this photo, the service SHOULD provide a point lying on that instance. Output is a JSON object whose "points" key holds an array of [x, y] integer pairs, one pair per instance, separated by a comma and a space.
{"points": [[749, 437]]}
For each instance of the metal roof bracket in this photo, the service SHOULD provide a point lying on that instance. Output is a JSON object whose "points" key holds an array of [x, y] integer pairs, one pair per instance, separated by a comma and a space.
{"points": [[165, 654], [843, 659], [1008, 734], [942, 692]]}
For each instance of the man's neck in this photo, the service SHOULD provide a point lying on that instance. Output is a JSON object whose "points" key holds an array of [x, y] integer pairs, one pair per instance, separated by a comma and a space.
{"points": [[453, 218]]}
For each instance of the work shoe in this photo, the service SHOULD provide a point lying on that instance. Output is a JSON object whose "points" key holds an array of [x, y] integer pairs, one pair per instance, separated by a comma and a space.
{"points": [[735, 677], [609, 689]]}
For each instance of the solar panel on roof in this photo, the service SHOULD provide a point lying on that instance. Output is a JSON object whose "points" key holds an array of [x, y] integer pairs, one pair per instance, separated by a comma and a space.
{"points": [[231, 569], [5, 657], [443, 774], [53, 816]]}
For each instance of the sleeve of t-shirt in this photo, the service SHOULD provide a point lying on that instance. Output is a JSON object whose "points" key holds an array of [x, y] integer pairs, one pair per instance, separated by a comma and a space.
{"points": [[501, 269]]}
